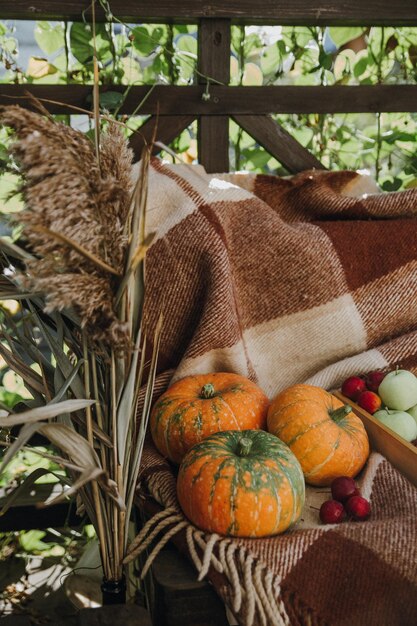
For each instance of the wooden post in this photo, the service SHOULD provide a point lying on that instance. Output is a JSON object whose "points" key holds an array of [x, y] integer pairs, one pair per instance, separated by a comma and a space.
{"points": [[213, 62]]}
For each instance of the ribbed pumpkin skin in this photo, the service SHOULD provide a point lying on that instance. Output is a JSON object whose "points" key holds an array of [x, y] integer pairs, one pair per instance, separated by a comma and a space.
{"points": [[182, 417], [256, 495], [326, 448]]}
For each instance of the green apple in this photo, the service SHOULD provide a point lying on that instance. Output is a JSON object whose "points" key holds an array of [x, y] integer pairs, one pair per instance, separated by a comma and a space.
{"points": [[400, 422], [413, 412], [398, 390]]}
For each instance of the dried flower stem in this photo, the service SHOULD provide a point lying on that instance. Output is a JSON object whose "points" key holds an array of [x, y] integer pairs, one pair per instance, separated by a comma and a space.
{"points": [[118, 566], [47, 392], [122, 514], [98, 408], [96, 93], [94, 485]]}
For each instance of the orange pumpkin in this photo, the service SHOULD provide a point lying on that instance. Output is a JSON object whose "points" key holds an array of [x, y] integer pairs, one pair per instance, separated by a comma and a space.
{"points": [[243, 484], [322, 432], [197, 406]]}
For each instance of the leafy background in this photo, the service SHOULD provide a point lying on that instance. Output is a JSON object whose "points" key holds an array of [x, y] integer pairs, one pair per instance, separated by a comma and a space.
{"points": [[383, 145]]}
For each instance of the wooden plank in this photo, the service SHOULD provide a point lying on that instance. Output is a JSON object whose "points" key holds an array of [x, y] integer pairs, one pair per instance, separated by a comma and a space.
{"points": [[178, 598], [304, 12], [214, 50], [214, 62], [147, 507], [112, 615], [169, 127], [224, 100], [213, 143], [24, 515], [278, 142], [398, 451]]}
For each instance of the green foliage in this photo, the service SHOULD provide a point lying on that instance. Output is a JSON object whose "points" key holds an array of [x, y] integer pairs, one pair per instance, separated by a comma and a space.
{"points": [[382, 144], [49, 37], [342, 35], [81, 40]]}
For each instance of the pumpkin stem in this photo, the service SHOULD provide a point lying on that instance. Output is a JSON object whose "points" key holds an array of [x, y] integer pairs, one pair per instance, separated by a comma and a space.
{"points": [[207, 391], [244, 446], [340, 413]]}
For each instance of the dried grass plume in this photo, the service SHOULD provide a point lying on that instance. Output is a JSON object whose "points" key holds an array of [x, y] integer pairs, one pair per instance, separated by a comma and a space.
{"points": [[74, 216]]}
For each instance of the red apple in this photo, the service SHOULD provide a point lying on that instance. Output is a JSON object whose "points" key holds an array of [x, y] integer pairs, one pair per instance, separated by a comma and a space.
{"points": [[343, 488], [374, 379], [358, 508], [332, 512], [369, 401], [353, 386]]}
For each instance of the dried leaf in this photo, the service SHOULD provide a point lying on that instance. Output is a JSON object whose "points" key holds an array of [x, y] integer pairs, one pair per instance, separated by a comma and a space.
{"points": [[45, 412], [38, 68], [86, 476], [30, 377], [126, 409], [71, 443]]}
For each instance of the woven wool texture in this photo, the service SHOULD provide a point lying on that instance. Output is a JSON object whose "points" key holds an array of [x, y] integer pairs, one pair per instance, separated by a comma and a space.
{"points": [[309, 280]]}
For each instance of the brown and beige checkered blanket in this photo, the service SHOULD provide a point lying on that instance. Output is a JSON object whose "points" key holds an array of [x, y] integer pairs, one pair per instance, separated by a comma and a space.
{"points": [[307, 279]]}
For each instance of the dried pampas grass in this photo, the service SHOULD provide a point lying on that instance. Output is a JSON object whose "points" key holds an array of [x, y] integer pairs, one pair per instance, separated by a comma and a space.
{"points": [[79, 272], [75, 216]]}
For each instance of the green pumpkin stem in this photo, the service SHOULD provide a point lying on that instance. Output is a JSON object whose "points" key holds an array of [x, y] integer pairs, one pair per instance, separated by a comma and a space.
{"points": [[244, 446], [340, 413], [207, 391]]}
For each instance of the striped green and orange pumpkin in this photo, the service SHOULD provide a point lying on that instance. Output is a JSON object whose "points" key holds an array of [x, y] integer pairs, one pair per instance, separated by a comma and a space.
{"points": [[325, 435], [197, 406], [242, 484]]}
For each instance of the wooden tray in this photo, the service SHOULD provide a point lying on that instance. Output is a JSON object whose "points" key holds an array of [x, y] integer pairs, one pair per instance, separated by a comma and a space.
{"points": [[398, 451]]}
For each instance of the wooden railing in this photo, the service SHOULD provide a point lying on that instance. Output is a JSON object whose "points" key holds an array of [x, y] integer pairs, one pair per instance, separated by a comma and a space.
{"points": [[250, 107]]}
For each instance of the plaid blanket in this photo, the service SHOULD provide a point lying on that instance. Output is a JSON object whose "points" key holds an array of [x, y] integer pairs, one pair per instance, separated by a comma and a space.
{"points": [[307, 279]]}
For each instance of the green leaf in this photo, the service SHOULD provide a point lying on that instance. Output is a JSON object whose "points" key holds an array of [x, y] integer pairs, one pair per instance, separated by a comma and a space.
{"points": [[186, 47], [187, 44], [159, 35], [143, 40], [271, 59], [31, 541], [109, 100], [325, 60], [9, 398], [256, 158], [341, 34], [252, 45], [301, 35], [183, 142], [81, 41], [49, 38], [360, 66], [396, 135], [392, 185]]}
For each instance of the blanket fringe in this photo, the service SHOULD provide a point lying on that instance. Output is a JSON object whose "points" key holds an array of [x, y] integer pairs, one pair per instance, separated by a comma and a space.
{"points": [[254, 593]]}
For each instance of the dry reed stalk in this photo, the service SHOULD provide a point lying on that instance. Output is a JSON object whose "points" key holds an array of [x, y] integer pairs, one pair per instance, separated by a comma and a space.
{"points": [[85, 227]]}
